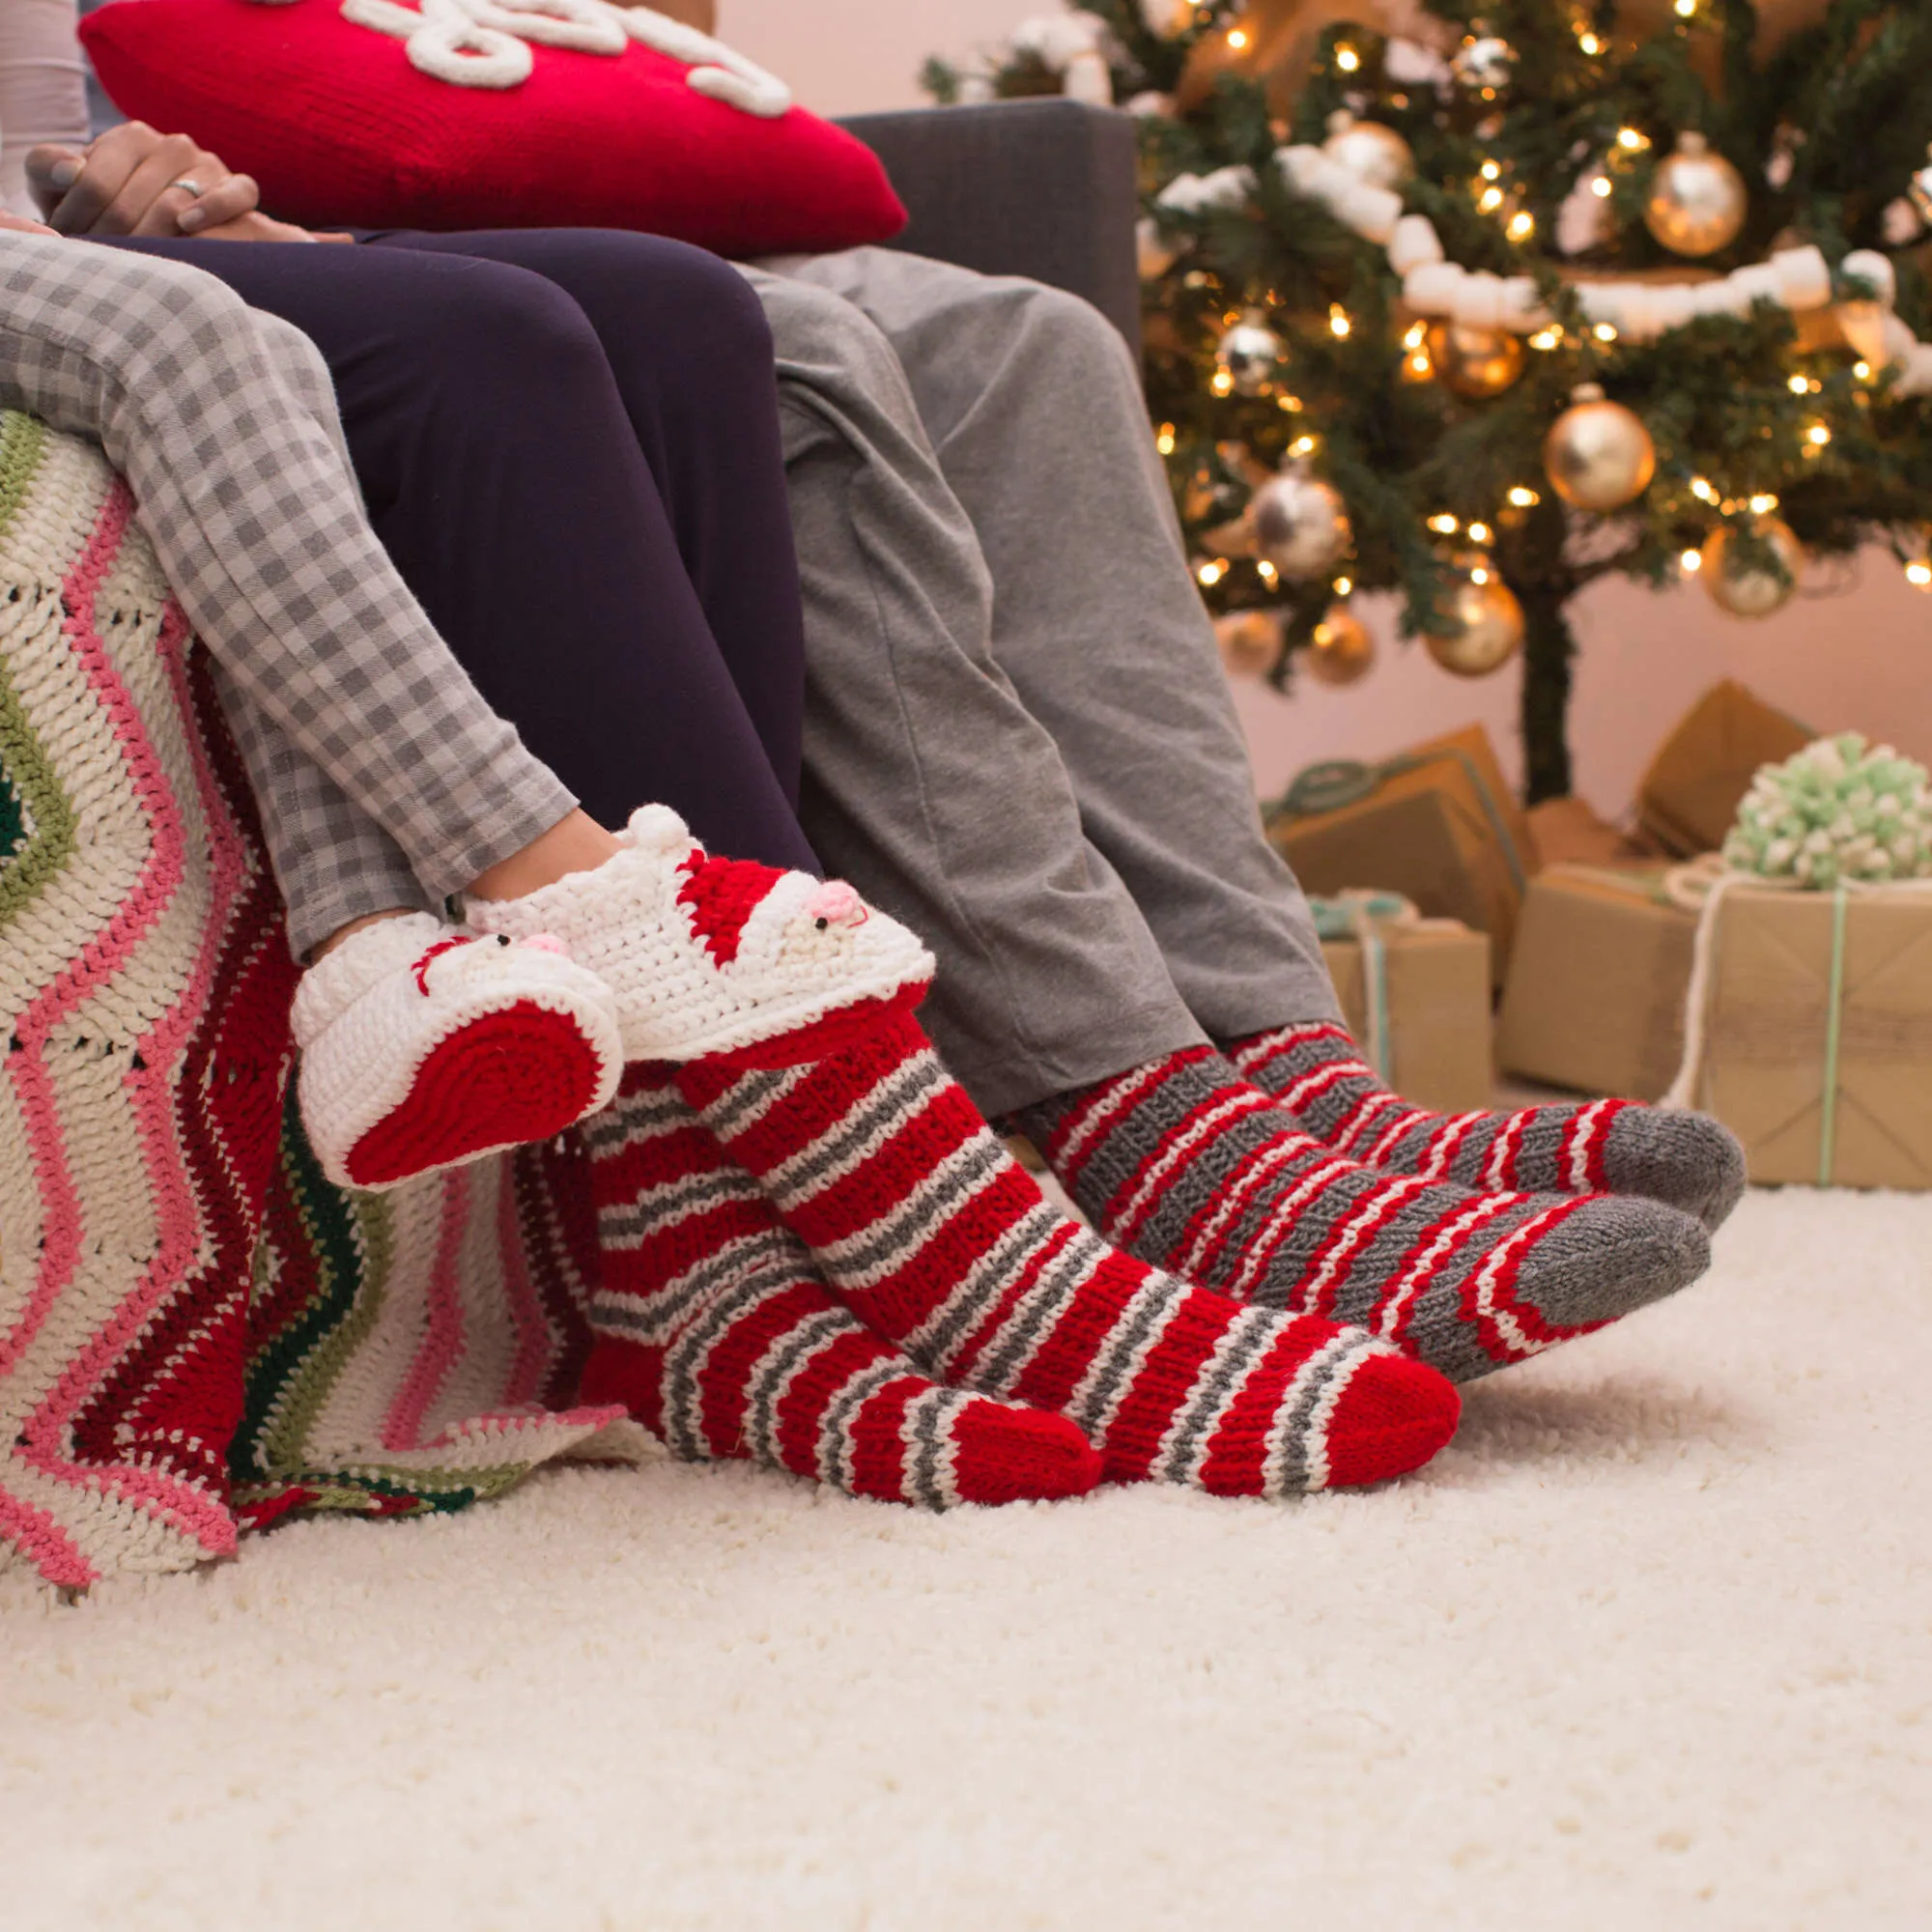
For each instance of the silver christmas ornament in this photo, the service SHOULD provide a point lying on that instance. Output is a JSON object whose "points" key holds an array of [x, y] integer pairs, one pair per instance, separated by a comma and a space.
{"points": [[1597, 454], [1483, 64], [1698, 200], [1372, 153], [1918, 191], [1300, 523], [1251, 354]]}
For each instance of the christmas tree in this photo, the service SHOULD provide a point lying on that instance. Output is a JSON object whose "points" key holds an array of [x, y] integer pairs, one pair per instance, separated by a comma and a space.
{"points": [[1479, 303]]}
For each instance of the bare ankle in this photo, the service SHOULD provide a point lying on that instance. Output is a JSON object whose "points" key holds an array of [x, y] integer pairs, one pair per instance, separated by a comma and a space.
{"points": [[576, 844]]}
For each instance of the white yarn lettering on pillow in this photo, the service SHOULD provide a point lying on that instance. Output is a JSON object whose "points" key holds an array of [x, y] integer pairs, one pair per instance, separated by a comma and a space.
{"points": [[478, 44]]}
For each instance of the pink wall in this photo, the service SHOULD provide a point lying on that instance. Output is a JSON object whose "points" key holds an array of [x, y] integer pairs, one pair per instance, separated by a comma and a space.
{"points": [[1861, 661]]}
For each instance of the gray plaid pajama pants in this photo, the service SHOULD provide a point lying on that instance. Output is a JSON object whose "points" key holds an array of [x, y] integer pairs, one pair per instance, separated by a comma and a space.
{"points": [[383, 779]]}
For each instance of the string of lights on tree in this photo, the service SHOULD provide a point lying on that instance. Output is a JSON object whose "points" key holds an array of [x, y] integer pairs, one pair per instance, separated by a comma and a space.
{"points": [[1481, 304]]}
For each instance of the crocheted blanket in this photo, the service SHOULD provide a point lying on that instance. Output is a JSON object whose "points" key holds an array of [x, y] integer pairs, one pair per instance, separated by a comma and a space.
{"points": [[178, 1287]]}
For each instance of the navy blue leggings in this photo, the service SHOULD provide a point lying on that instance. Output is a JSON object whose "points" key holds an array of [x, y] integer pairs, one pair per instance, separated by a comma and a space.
{"points": [[568, 442]]}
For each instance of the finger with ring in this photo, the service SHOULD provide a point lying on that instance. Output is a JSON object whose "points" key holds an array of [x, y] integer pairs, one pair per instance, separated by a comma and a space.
{"points": [[193, 187]]}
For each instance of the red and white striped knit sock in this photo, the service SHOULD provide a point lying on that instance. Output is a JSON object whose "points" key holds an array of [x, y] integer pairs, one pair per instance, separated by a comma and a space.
{"points": [[1187, 1165], [1615, 1147], [940, 1240], [714, 1328]]}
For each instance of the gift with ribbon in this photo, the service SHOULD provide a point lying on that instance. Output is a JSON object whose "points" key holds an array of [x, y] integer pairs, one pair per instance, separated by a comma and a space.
{"points": [[1415, 993], [1690, 793], [1438, 825], [1595, 995], [1807, 1019]]}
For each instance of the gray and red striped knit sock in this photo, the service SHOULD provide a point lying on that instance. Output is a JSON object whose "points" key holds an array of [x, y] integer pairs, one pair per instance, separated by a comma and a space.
{"points": [[714, 1328], [1590, 1146], [939, 1239], [1184, 1163]]}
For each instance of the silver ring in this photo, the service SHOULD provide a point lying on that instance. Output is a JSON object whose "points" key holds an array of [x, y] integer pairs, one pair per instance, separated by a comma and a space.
{"points": [[192, 187]]}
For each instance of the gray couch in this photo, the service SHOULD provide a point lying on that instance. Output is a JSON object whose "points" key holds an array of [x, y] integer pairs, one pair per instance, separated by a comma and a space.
{"points": [[1045, 188]]}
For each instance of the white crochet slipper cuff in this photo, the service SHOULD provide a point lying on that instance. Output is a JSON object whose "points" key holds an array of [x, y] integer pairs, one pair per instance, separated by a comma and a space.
{"points": [[425, 1049], [712, 956]]}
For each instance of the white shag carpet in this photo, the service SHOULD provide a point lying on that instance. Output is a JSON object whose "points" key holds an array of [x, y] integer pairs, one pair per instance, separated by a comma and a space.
{"points": [[1649, 1646]]}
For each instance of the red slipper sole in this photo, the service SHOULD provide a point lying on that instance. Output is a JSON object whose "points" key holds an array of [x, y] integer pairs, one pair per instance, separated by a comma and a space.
{"points": [[521, 1073]]}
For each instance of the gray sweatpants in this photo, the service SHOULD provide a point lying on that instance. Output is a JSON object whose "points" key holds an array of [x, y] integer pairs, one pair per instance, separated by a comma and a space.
{"points": [[1017, 734], [382, 776]]}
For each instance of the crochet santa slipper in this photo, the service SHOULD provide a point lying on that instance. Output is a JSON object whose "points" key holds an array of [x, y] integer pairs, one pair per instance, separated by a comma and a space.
{"points": [[720, 958], [423, 1047]]}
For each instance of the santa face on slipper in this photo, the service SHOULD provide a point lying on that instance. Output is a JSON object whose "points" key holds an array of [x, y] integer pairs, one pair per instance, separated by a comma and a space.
{"points": [[720, 957]]}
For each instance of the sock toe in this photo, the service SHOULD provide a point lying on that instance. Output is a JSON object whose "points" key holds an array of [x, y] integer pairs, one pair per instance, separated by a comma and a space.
{"points": [[1005, 1455], [1394, 1416], [1689, 1161], [1610, 1256]]}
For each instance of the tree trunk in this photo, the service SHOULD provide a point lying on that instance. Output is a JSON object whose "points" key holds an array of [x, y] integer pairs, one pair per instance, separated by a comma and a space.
{"points": [[1547, 645]]}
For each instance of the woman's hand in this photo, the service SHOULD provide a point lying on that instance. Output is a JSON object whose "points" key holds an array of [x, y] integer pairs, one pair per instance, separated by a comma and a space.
{"points": [[129, 182]]}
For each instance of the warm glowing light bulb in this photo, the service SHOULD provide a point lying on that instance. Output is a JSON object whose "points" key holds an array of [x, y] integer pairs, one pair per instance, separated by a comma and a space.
{"points": [[1546, 338], [1763, 503], [1818, 436], [1238, 38], [1491, 171], [1480, 533], [1480, 574], [1221, 383], [1600, 188], [1522, 499], [1685, 8], [1604, 331], [1703, 489], [1863, 371], [1265, 571], [1348, 58], [1211, 573], [1692, 562], [1416, 333], [1489, 200], [1302, 445], [1444, 525], [1338, 318], [1630, 141], [1419, 365], [1344, 585], [1292, 403], [1800, 385], [1164, 441], [1920, 574], [1590, 44]]}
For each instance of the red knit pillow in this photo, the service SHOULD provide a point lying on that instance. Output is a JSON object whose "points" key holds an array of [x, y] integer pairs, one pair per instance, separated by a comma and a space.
{"points": [[469, 115]]}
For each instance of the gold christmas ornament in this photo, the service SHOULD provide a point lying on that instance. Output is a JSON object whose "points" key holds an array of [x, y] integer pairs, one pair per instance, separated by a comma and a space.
{"points": [[1250, 354], [1489, 617], [1250, 642], [1597, 454], [1474, 362], [1341, 650], [1745, 590], [1370, 151], [1299, 524], [1698, 200]]}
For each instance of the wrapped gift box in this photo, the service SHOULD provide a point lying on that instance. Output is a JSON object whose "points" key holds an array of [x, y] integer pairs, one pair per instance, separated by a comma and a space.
{"points": [[1435, 974], [1689, 798], [1818, 1036], [1595, 994], [1567, 832], [1439, 825]]}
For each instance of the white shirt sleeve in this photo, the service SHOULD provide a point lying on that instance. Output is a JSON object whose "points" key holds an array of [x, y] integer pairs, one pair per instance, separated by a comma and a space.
{"points": [[42, 89]]}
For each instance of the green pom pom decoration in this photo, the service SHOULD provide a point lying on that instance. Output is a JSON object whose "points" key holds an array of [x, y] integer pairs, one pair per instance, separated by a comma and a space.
{"points": [[1843, 811]]}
